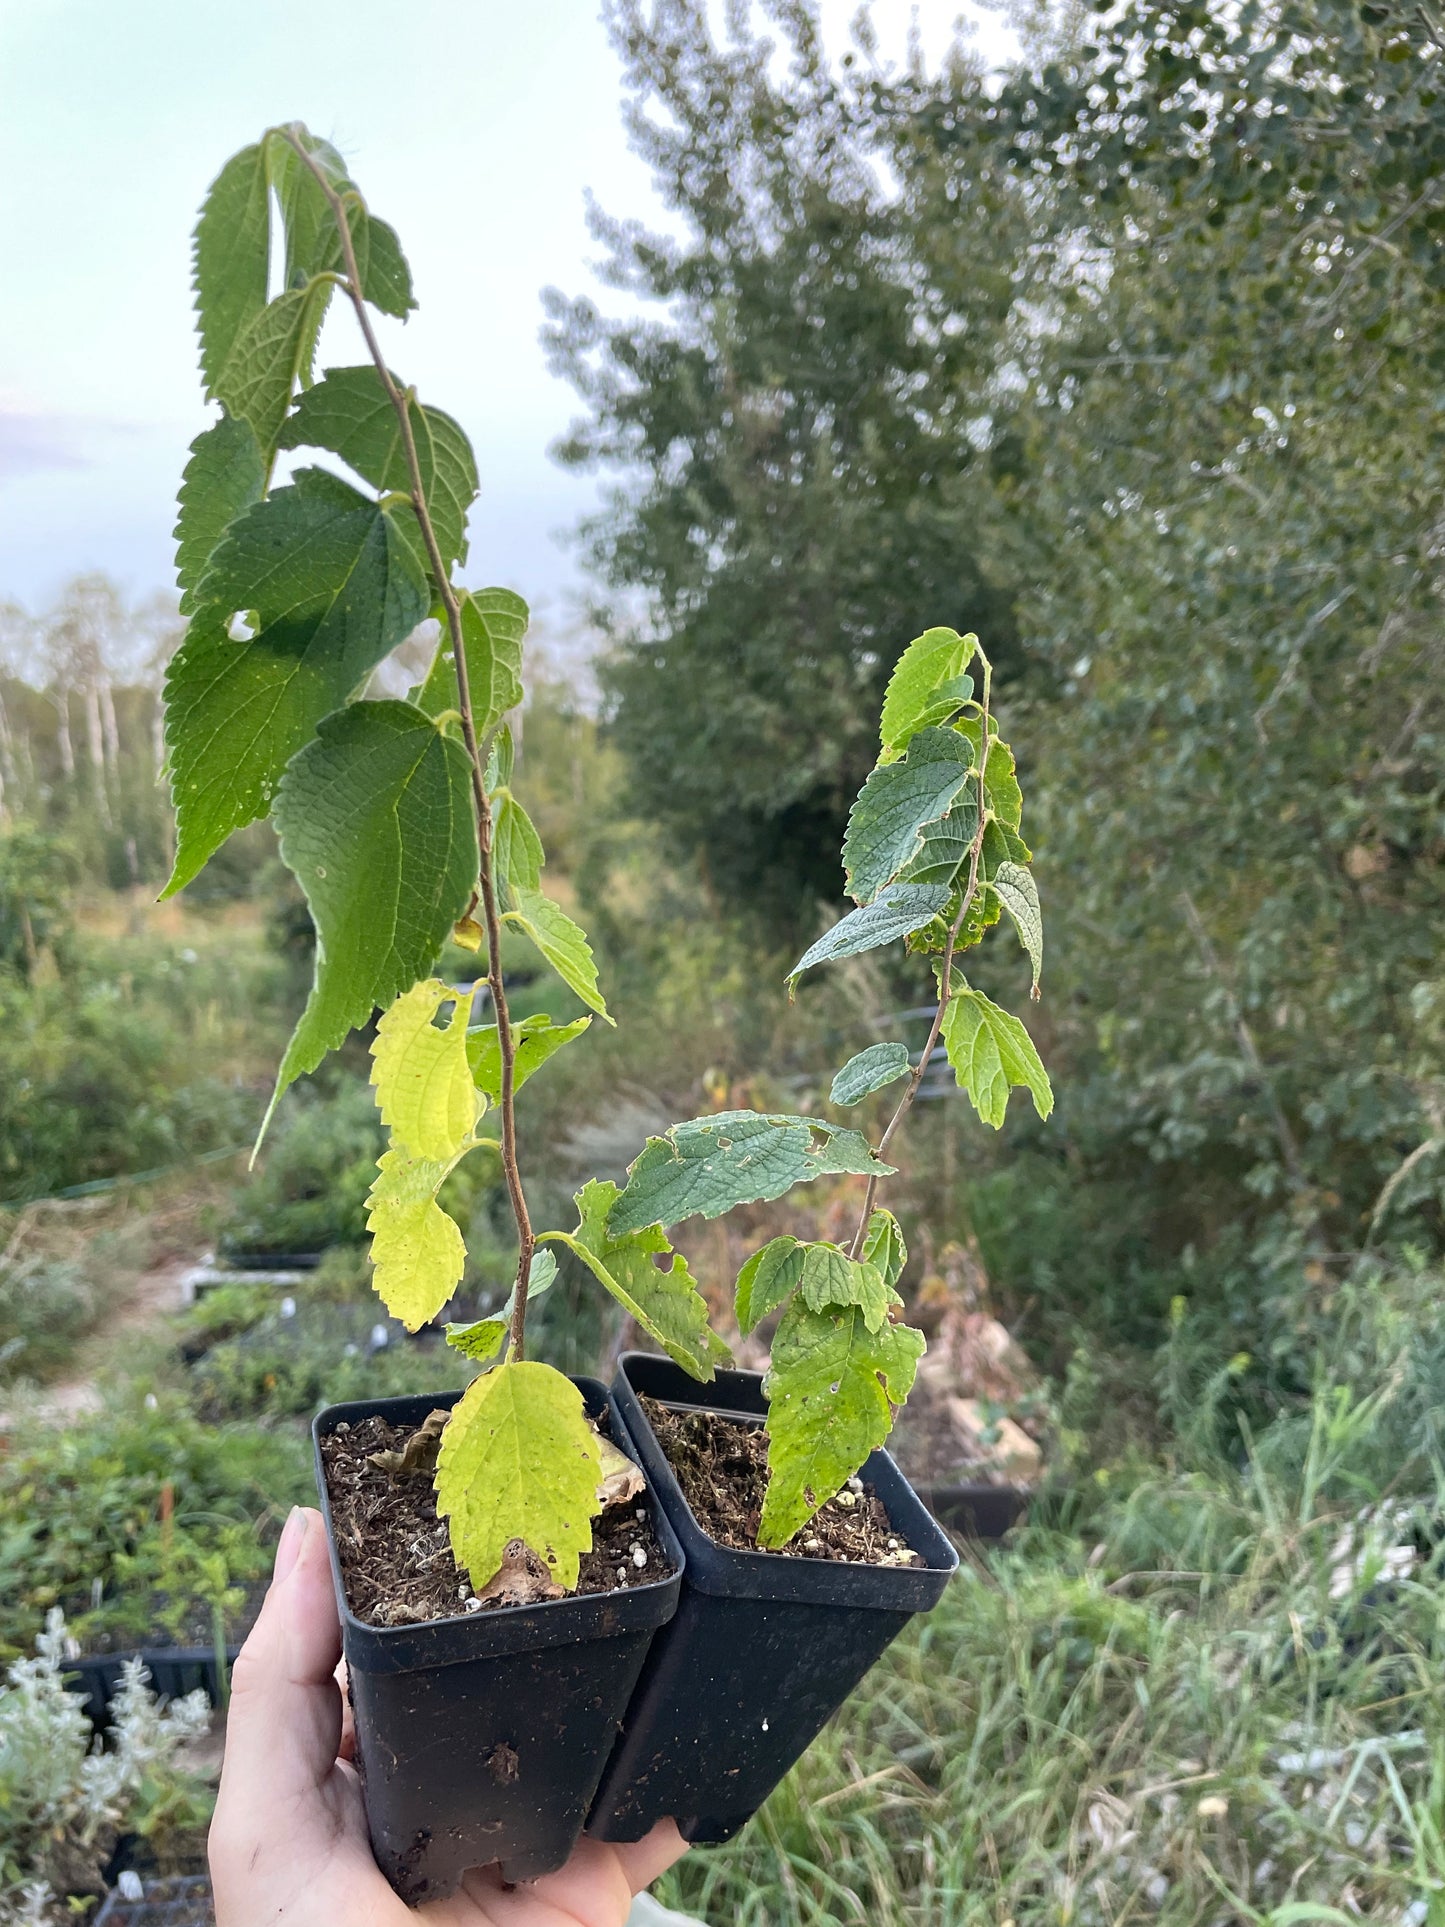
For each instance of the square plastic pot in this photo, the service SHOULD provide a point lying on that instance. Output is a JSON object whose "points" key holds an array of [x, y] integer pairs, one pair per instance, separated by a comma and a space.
{"points": [[763, 1649], [483, 1737]]}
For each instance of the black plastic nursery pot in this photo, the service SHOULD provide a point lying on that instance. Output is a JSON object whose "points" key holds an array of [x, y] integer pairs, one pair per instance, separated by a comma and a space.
{"points": [[763, 1650], [483, 1737], [975, 1510], [174, 1671]]}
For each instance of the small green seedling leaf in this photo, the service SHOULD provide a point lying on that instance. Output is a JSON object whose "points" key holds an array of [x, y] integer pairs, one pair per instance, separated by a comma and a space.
{"points": [[896, 805], [536, 1039], [883, 1246], [829, 1390], [224, 477], [376, 825], [930, 662], [869, 1071], [990, 1052], [416, 1249], [423, 1082], [832, 1278], [273, 352], [349, 412], [1019, 895], [664, 1301], [706, 1166], [767, 1280], [494, 623], [480, 1341], [561, 942], [900, 910], [518, 1460]]}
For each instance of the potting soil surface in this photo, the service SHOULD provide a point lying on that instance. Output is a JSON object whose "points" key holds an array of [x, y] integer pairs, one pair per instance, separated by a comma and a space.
{"points": [[396, 1560], [722, 1466]]}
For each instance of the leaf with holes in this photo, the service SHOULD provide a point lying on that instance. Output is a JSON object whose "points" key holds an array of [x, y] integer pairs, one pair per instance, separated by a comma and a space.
{"points": [[706, 1166], [536, 1039], [664, 1300], [869, 1071], [898, 911], [479, 1341], [423, 1082], [990, 1052], [830, 1389], [896, 805], [518, 1460]]}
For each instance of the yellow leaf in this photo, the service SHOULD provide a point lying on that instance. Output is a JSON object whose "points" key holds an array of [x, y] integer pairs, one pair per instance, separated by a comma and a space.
{"points": [[423, 1081], [519, 1461], [416, 1248]]}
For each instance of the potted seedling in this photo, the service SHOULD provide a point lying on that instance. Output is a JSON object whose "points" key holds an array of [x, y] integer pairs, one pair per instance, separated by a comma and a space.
{"points": [[501, 1563]]}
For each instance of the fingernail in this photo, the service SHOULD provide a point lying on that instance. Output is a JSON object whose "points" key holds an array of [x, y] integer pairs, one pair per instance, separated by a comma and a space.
{"points": [[293, 1537]]}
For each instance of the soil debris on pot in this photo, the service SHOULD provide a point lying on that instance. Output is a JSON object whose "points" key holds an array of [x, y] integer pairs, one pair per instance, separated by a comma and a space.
{"points": [[396, 1558], [722, 1466]]}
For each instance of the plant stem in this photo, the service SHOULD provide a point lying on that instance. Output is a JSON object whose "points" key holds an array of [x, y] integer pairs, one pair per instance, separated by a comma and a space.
{"points": [[506, 1044], [945, 975]]}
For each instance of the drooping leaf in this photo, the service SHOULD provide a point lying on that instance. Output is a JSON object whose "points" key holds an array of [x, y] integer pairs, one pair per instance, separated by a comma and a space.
{"points": [[232, 255], [313, 242], [423, 1082], [517, 852], [518, 1460], [481, 1340], [1019, 895], [274, 351], [936, 657], [883, 1246], [416, 1249], [898, 911], [942, 858], [494, 623], [1001, 786], [1000, 846], [336, 583], [502, 756], [224, 476], [376, 823], [535, 1039], [869, 1071], [563, 943], [767, 1280], [385, 275], [832, 1278], [895, 805], [665, 1302], [708, 1165], [990, 1052], [830, 1389], [349, 412]]}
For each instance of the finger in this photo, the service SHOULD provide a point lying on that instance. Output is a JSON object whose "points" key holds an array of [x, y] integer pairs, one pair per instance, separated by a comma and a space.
{"points": [[643, 1860]]}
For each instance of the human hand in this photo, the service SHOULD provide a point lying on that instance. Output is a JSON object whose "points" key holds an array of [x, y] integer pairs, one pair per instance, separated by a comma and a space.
{"points": [[288, 1843]]}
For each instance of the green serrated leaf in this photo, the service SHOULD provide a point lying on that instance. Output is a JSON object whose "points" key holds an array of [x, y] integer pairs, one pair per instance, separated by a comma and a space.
{"points": [[423, 1082], [494, 623], [416, 1249], [708, 1165], [313, 244], [518, 1460], [270, 355], [883, 1246], [480, 1341], [224, 477], [990, 1052], [231, 258], [376, 823], [767, 1280], [563, 943], [517, 852], [943, 851], [1000, 846], [1001, 788], [535, 1038], [385, 275], [831, 1277], [870, 1071], [898, 911], [336, 583], [895, 806], [501, 758], [936, 658], [665, 1302], [1019, 895], [348, 411], [830, 1388]]}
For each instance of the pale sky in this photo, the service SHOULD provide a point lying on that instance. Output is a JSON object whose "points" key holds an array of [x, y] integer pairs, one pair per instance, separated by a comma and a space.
{"points": [[474, 127]]}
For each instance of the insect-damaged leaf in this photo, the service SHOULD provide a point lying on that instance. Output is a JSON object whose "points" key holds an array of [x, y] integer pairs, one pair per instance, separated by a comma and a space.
{"points": [[1019, 895], [423, 1082], [708, 1165]]}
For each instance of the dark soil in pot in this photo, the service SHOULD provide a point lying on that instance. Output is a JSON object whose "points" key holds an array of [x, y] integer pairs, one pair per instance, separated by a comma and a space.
{"points": [[481, 1734], [765, 1646]]}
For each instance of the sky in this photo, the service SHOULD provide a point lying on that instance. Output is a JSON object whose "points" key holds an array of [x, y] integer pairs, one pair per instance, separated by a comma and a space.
{"points": [[476, 127]]}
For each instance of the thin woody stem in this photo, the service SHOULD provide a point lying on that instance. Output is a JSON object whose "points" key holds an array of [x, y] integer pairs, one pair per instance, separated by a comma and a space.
{"points": [[506, 1043], [945, 975]]}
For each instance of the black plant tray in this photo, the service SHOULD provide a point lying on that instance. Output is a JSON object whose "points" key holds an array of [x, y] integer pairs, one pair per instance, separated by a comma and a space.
{"points": [[174, 1672], [763, 1650], [183, 1902], [976, 1511], [243, 1258], [483, 1737]]}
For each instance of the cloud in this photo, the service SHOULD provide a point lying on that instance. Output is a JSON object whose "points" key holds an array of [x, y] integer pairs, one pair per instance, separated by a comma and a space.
{"points": [[33, 440]]}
